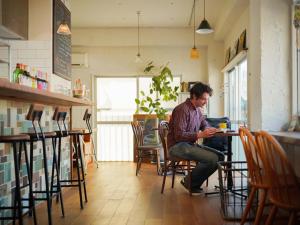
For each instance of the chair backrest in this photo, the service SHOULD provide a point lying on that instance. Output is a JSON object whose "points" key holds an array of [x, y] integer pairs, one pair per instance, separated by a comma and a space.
{"points": [[138, 133], [34, 115], [280, 174], [254, 162], [163, 130], [87, 118], [217, 142], [59, 116]]}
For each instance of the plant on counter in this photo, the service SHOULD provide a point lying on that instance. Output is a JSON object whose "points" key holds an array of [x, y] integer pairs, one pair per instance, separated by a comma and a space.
{"points": [[162, 89]]}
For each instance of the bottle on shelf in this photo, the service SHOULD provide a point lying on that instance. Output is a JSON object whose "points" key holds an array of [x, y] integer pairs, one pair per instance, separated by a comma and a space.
{"points": [[17, 73]]}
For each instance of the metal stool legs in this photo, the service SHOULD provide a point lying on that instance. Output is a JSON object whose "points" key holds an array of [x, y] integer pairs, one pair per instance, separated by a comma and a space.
{"points": [[18, 189], [57, 186], [80, 180]]}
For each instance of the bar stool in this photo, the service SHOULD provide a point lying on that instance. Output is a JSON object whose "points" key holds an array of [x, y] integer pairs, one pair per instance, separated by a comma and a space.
{"points": [[18, 207], [35, 115], [60, 117]]}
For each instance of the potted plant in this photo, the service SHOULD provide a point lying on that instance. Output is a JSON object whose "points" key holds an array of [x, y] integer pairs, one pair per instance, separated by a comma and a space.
{"points": [[161, 87]]}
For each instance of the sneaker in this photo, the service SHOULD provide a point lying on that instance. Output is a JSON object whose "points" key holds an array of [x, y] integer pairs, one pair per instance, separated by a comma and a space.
{"points": [[195, 191]]}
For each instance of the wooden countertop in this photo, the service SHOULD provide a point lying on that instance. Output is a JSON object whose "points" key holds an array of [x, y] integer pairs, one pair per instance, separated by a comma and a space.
{"points": [[16, 92], [292, 138]]}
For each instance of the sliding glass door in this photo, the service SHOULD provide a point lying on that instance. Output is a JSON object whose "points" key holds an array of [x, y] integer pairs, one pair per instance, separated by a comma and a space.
{"points": [[115, 107]]}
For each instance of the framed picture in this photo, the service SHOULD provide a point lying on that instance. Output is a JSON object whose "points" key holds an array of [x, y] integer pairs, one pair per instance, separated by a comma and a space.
{"points": [[227, 56], [191, 84], [242, 41], [236, 47]]}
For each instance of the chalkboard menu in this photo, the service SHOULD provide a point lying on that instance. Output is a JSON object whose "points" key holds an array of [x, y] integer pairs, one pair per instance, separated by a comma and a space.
{"points": [[61, 43]]}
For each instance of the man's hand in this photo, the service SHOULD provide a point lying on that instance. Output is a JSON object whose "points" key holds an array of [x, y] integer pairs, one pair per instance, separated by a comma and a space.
{"points": [[208, 132]]}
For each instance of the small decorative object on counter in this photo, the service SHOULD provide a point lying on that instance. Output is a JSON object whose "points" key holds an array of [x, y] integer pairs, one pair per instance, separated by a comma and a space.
{"points": [[79, 89], [183, 86]]}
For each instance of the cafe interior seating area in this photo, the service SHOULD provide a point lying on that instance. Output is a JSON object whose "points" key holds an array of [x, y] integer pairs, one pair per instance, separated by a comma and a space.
{"points": [[113, 111]]}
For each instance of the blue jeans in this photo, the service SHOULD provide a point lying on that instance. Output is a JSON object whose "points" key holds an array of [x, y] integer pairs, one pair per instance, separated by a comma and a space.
{"points": [[205, 157]]}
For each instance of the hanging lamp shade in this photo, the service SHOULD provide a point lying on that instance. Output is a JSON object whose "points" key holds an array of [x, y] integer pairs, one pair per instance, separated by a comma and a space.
{"points": [[64, 29], [204, 27], [194, 53]]}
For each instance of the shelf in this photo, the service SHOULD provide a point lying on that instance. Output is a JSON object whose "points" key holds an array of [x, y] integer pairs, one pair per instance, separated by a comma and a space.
{"points": [[17, 92], [239, 57]]}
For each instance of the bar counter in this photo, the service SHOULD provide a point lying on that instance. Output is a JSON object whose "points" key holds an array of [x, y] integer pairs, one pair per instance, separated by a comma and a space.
{"points": [[15, 101]]}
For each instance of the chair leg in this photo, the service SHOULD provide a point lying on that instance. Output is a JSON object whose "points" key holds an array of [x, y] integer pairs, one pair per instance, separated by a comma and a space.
{"points": [[271, 215], [248, 206], [82, 164], [158, 161], [138, 164], [18, 191], [261, 206], [293, 217], [47, 183], [55, 166], [78, 171], [164, 178], [189, 177], [31, 205], [173, 174]]}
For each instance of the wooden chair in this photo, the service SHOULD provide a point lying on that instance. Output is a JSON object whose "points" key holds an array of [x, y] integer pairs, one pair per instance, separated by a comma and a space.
{"points": [[256, 174], [172, 163], [284, 189], [144, 151]]}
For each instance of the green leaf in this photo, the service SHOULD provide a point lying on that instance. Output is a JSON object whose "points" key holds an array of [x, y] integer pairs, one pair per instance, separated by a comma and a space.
{"points": [[137, 101], [145, 109], [142, 93]]}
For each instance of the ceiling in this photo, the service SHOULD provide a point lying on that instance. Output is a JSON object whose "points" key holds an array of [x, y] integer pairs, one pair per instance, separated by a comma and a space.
{"points": [[154, 13]]}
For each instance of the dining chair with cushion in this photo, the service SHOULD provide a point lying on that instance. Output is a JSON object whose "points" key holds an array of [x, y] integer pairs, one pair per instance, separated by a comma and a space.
{"points": [[256, 174], [284, 189], [144, 151]]}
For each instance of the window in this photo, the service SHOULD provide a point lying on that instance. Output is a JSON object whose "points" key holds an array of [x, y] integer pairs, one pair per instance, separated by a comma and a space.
{"points": [[115, 112], [235, 102]]}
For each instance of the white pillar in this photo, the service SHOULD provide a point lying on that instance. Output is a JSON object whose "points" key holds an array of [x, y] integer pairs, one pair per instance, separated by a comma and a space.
{"points": [[269, 67]]}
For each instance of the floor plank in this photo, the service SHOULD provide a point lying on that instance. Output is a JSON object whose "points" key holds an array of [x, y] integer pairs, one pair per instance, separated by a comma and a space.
{"points": [[117, 197]]}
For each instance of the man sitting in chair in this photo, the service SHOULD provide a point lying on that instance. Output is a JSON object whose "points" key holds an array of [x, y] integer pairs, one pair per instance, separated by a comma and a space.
{"points": [[186, 126]]}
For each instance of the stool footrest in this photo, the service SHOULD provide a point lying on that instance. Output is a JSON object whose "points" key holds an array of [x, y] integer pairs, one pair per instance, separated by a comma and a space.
{"points": [[24, 186], [7, 207], [72, 181]]}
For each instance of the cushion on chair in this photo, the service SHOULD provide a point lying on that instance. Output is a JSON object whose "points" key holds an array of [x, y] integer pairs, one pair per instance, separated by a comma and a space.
{"points": [[218, 143]]}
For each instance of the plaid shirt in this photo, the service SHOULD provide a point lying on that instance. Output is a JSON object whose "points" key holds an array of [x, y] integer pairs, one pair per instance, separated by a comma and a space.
{"points": [[185, 122]]}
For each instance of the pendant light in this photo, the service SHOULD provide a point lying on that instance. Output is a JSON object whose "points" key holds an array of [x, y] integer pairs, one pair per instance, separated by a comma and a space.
{"points": [[194, 50], [204, 27], [63, 28], [138, 55]]}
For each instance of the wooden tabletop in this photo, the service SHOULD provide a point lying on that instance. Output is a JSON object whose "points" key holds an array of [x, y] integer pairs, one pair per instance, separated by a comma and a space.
{"points": [[228, 133], [17, 92]]}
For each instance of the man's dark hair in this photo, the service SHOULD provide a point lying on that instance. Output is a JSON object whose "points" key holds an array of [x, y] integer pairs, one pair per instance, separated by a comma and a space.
{"points": [[199, 88]]}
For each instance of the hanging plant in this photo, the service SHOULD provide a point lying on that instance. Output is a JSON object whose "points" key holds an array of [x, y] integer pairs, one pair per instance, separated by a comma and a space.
{"points": [[161, 87]]}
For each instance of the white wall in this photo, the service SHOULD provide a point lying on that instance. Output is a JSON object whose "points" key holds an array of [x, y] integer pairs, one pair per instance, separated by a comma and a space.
{"points": [[37, 51]]}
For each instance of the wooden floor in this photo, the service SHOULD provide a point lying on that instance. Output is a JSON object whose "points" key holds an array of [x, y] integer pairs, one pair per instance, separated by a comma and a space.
{"points": [[117, 197]]}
